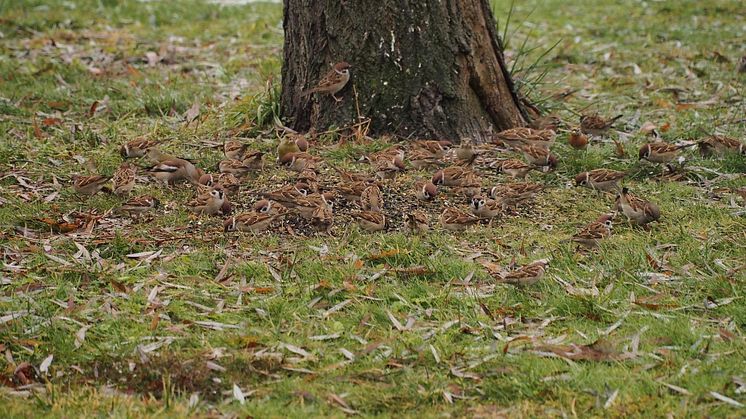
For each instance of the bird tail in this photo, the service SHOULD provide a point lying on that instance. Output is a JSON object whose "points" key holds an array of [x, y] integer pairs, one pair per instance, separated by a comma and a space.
{"points": [[308, 92]]}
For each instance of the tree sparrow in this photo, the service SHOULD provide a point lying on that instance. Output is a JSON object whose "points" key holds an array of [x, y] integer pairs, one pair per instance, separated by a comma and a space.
{"points": [[512, 194], [124, 179], [485, 208], [434, 147], [539, 157], [351, 191], [371, 221], [371, 199], [465, 153], [637, 210], [139, 205], [348, 176], [389, 153], [513, 168], [721, 145], [389, 168], [596, 125], [253, 160], [266, 206], [591, 235], [470, 185], [515, 137], [90, 185], [171, 171], [421, 159], [450, 176], [454, 219], [417, 222], [234, 167], [323, 216], [425, 190], [660, 152], [526, 275], [288, 194], [298, 162], [230, 183], [305, 207], [208, 203], [577, 139], [252, 222], [234, 150], [548, 122], [136, 148], [600, 179], [334, 81]]}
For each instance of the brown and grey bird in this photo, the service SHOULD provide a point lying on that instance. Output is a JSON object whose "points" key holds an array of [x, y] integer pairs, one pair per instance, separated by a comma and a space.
{"points": [[425, 190], [596, 125], [171, 171], [720, 145], [90, 185], [417, 222], [636, 209], [513, 168], [334, 81], [371, 199], [454, 219], [136, 148], [520, 136], [124, 179], [139, 205], [526, 275], [591, 235], [661, 152], [371, 221], [600, 179], [209, 203]]}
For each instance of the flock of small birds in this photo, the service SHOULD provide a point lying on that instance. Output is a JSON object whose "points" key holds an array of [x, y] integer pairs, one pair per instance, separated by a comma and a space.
{"points": [[319, 190]]}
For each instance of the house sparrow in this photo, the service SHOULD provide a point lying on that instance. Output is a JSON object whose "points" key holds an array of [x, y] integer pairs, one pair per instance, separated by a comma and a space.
{"points": [[298, 162], [234, 150], [742, 65], [371, 221], [720, 145], [577, 139], [288, 194], [637, 210], [334, 81], [90, 185], [485, 208], [252, 222], [591, 235], [526, 275], [417, 222], [513, 168], [465, 153], [124, 179], [454, 219], [660, 152], [171, 171], [208, 203], [596, 125], [136, 148], [371, 198], [437, 148], [422, 159], [253, 160], [600, 179], [450, 176], [139, 205], [550, 122], [230, 183], [515, 137], [389, 168], [425, 190], [539, 157], [323, 216], [287, 145]]}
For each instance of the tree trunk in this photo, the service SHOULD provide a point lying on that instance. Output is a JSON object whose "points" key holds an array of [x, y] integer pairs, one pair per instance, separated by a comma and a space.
{"points": [[420, 68]]}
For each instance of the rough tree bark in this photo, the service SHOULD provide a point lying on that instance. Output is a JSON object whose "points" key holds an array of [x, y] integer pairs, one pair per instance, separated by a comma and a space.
{"points": [[420, 68]]}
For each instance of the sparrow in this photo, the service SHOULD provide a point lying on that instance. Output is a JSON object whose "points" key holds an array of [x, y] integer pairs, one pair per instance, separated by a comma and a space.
{"points": [[742, 65], [334, 81], [454, 219], [389, 153], [371, 221], [170, 171], [371, 199], [485, 208], [348, 176], [527, 274], [591, 235], [302, 143], [720, 145], [90, 185], [417, 222], [539, 157], [550, 122], [139, 205], [305, 207], [309, 176], [425, 190], [124, 179], [596, 125], [287, 145], [515, 137], [422, 159], [577, 139], [234, 167], [660, 152], [600, 179], [234, 150], [351, 191], [437, 148], [208, 203], [470, 185], [230, 183], [450, 176], [465, 153], [323, 216], [266, 206], [253, 160], [288, 194], [252, 222], [155, 155], [513, 168], [389, 168], [298, 162], [136, 148], [511, 194], [637, 210]]}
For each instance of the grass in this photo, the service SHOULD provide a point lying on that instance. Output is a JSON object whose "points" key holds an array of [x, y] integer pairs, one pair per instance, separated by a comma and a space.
{"points": [[303, 325]]}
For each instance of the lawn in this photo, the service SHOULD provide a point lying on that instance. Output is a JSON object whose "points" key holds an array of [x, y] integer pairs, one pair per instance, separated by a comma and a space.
{"points": [[168, 315]]}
